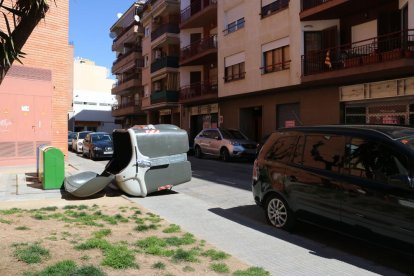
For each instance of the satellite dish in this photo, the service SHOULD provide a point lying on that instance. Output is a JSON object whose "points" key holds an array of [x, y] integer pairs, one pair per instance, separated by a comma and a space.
{"points": [[136, 17], [112, 35]]}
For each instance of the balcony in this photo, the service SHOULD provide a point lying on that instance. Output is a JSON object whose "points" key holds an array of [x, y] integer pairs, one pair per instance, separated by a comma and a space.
{"points": [[334, 9], [128, 108], [274, 7], [200, 13], [168, 61], [385, 54], [163, 29], [128, 35], [201, 52], [164, 96], [131, 59], [199, 92], [130, 83]]}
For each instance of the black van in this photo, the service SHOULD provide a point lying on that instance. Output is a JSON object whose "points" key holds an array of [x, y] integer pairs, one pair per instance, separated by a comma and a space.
{"points": [[360, 175]]}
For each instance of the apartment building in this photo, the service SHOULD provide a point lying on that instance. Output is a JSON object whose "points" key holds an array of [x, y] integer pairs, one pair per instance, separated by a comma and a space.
{"points": [[35, 97], [127, 33], [92, 98], [285, 63], [198, 65], [161, 47]]}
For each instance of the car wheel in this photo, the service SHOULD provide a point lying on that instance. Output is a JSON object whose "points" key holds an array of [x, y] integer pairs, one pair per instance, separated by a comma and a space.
{"points": [[224, 155], [197, 152], [279, 214]]}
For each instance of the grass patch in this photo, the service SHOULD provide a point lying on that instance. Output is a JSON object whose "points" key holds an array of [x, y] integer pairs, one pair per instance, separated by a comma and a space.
{"points": [[119, 257], [49, 208], [22, 228], [144, 227], [68, 267], [94, 243], [215, 255], [154, 246], [182, 255], [11, 211], [188, 269], [30, 253], [219, 268], [252, 271], [159, 265], [5, 221], [173, 228], [40, 216], [185, 240], [102, 233], [85, 258]]}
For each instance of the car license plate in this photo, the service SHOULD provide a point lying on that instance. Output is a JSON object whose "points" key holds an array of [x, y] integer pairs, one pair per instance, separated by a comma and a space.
{"points": [[108, 152]]}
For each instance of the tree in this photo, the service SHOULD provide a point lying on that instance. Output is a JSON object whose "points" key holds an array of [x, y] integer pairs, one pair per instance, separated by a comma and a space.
{"points": [[20, 19]]}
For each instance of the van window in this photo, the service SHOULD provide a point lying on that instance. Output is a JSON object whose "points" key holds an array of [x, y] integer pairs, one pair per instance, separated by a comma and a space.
{"points": [[324, 151], [373, 160], [282, 149]]}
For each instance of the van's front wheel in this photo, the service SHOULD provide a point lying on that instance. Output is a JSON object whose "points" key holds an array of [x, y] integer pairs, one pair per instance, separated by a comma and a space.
{"points": [[279, 214], [225, 155]]}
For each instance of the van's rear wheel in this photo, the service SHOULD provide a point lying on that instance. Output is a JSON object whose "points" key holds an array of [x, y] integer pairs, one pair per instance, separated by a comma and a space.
{"points": [[197, 152], [279, 214]]}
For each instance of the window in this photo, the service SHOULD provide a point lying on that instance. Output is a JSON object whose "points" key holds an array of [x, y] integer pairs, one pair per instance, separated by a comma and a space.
{"points": [[234, 72], [373, 160], [276, 59], [234, 26], [323, 151], [282, 150]]}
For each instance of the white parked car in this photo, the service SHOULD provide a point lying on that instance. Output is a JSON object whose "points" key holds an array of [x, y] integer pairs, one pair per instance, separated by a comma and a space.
{"points": [[77, 142]]}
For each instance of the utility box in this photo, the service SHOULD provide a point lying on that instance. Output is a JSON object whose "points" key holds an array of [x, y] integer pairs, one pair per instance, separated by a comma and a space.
{"points": [[51, 167]]}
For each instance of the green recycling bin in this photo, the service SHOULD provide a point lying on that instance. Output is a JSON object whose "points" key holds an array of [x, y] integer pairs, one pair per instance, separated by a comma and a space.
{"points": [[53, 168]]}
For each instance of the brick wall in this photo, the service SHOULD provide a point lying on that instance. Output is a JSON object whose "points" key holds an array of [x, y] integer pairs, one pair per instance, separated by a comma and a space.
{"points": [[48, 48]]}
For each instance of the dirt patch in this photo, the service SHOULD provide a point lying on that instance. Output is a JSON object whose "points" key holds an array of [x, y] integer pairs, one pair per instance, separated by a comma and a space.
{"points": [[89, 232]]}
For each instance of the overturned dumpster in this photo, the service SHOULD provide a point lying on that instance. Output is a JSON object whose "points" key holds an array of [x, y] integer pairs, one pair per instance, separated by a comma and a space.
{"points": [[146, 159]]}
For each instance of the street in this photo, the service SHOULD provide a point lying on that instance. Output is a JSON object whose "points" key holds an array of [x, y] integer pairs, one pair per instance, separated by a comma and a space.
{"points": [[225, 189]]}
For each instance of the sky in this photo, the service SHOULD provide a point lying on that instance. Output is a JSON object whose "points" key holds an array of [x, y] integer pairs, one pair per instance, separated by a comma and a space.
{"points": [[89, 24]]}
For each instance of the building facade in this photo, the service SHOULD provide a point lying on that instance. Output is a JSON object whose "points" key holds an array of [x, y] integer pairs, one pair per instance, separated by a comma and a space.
{"points": [[198, 94], [263, 65], [35, 97], [161, 47], [314, 62], [128, 89], [92, 98]]}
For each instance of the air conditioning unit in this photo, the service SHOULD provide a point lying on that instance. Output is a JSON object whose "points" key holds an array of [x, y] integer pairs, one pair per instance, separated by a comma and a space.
{"points": [[157, 86], [157, 54]]}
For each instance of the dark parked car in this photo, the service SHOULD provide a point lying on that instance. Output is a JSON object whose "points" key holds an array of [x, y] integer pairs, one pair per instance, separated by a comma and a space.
{"points": [[357, 175], [98, 145], [224, 143]]}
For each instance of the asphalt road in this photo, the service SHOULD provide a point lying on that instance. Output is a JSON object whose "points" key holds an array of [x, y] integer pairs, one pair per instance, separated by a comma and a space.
{"points": [[228, 187]]}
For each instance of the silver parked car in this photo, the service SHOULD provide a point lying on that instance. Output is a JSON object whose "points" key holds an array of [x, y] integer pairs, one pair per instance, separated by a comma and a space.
{"points": [[224, 143], [77, 141]]}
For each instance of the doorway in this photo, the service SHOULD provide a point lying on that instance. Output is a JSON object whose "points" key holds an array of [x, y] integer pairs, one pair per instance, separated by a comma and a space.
{"points": [[251, 122]]}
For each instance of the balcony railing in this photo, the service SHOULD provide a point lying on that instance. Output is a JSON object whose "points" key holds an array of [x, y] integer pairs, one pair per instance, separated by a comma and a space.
{"points": [[164, 96], [196, 7], [198, 47], [166, 28], [125, 105], [197, 90], [379, 49], [274, 7], [308, 4], [163, 62], [137, 49], [125, 80]]}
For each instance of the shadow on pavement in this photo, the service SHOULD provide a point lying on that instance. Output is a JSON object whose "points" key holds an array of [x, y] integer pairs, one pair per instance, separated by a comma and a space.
{"points": [[327, 243]]}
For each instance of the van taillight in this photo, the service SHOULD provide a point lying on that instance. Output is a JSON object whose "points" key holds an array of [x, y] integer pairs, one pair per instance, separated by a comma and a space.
{"points": [[255, 170]]}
